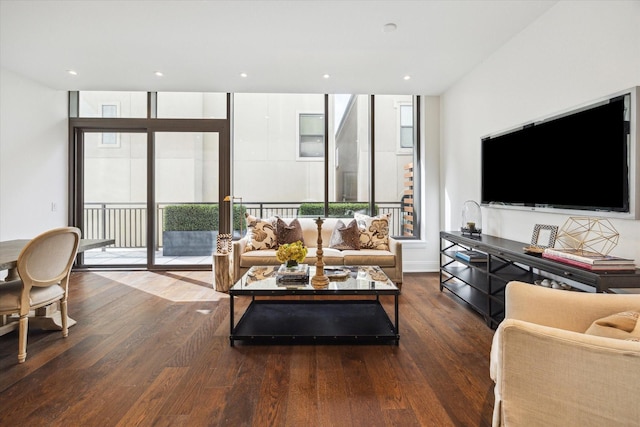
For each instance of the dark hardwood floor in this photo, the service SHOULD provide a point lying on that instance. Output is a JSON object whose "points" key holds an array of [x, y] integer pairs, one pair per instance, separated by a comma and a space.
{"points": [[135, 358]]}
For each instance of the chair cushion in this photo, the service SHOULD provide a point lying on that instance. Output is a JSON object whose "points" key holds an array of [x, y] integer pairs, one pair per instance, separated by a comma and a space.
{"points": [[262, 234], [623, 325], [345, 236], [10, 295], [374, 231], [288, 233]]}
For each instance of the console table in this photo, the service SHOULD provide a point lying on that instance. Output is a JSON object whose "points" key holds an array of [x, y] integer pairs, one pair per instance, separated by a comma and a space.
{"points": [[482, 284]]}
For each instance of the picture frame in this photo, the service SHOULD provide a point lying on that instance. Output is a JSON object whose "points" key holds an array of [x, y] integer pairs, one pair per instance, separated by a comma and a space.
{"points": [[544, 236]]}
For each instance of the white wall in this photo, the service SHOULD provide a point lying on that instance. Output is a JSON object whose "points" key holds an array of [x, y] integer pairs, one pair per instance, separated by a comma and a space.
{"points": [[33, 157], [577, 52]]}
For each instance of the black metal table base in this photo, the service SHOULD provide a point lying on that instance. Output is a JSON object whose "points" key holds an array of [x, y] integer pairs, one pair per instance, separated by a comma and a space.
{"points": [[315, 321]]}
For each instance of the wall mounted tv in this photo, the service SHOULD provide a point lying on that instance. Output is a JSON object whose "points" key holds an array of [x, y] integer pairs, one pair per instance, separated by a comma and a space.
{"points": [[581, 160]]}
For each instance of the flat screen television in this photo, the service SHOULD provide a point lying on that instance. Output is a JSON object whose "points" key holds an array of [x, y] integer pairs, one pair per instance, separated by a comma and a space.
{"points": [[579, 160]]}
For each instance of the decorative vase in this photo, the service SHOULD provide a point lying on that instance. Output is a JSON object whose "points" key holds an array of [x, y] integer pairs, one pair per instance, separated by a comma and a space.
{"points": [[291, 263]]}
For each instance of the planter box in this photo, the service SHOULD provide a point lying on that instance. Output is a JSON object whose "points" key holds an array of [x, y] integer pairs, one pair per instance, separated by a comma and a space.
{"points": [[188, 243]]}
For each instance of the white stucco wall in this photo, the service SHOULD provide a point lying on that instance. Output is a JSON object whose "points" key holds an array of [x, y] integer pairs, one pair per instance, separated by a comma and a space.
{"points": [[577, 52]]}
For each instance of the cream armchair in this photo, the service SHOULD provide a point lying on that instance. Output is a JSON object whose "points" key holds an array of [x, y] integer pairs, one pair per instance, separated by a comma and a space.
{"points": [[548, 372]]}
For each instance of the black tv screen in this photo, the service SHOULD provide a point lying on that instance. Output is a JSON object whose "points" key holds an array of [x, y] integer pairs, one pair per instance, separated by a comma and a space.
{"points": [[576, 161]]}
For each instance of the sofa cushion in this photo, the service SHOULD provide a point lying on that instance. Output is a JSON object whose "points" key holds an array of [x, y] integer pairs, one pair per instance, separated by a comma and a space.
{"points": [[622, 325], [261, 257], [378, 257], [329, 256], [374, 231], [288, 233], [261, 234], [345, 236]]}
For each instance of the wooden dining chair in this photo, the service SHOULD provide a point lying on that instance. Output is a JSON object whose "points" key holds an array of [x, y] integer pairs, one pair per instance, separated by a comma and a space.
{"points": [[44, 267]]}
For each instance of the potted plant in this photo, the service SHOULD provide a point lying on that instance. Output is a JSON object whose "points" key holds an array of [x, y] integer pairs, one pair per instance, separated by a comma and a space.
{"points": [[190, 229]]}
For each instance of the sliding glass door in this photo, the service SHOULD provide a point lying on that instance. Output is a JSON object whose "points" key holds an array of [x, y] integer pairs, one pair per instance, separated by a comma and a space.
{"points": [[150, 171], [114, 194], [187, 197], [158, 190]]}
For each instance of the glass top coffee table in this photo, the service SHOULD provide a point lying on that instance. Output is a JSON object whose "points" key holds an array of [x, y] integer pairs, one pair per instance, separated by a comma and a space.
{"points": [[329, 314]]}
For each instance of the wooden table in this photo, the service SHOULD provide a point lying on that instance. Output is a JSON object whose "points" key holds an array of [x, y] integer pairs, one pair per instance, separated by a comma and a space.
{"points": [[47, 318]]}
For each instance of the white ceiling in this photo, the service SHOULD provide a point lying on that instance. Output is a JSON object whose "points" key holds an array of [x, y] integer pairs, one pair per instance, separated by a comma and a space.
{"points": [[283, 46]]}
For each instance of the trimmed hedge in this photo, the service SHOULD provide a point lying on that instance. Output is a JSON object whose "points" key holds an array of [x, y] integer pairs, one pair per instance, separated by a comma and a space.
{"points": [[198, 217], [336, 209]]}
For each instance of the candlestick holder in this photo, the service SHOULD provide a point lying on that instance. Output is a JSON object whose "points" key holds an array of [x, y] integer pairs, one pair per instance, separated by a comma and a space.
{"points": [[319, 280]]}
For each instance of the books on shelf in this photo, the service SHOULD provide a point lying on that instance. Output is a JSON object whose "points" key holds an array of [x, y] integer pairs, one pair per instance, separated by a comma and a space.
{"points": [[587, 256], [591, 267], [592, 261], [471, 256], [299, 273]]}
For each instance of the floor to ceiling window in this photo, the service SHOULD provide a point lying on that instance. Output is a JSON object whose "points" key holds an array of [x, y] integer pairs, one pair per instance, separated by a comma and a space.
{"points": [[278, 152], [349, 142], [288, 158], [395, 136], [146, 160], [151, 184]]}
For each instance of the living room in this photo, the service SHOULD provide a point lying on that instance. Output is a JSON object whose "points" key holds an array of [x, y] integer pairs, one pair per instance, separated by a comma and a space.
{"points": [[507, 89], [572, 53]]}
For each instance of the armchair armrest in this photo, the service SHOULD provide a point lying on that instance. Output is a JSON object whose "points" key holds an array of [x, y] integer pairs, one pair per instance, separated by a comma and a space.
{"points": [[550, 376], [569, 310]]}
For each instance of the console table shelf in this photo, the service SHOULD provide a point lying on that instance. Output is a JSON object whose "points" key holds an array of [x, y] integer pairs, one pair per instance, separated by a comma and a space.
{"points": [[481, 284]]}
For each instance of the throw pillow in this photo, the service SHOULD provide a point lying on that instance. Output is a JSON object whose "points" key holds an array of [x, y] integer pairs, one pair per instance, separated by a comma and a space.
{"points": [[622, 325], [345, 237], [288, 233], [261, 234], [374, 231]]}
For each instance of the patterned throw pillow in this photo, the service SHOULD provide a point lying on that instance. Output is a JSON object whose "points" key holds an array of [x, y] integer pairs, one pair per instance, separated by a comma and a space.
{"points": [[261, 234], [374, 231], [288, 233], [622, 325], [345, 237]]}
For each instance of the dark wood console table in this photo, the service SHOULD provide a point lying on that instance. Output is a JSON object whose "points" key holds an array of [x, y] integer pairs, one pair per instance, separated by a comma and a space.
{"points": [[482, 284]]}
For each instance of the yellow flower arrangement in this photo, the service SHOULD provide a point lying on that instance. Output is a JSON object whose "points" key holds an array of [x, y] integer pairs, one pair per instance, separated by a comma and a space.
{"points": [[291, 252]]}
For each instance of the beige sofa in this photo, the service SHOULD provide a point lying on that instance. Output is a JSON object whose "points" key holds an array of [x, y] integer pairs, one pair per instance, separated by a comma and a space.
{"points": [[389, 260], [549, 372]]}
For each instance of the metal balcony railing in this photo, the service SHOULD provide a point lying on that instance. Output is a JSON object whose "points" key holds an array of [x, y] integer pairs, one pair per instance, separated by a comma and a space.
{"points": [[126, 223]]}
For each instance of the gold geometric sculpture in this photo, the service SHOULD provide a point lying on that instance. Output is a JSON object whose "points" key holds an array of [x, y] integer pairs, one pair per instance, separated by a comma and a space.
{"points": [[588, 234]]}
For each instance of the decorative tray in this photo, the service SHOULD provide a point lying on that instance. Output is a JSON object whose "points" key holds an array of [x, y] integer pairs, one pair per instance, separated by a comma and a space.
{"points": [[536, 250], [336, 273]]}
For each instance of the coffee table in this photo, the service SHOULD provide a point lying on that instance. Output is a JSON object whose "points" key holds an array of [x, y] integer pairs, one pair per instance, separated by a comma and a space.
{"points": [[327, 315]]}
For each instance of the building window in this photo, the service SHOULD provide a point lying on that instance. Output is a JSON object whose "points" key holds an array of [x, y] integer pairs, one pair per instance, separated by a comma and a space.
{"points": [[311, 135], [406, 126], [109, 139]]}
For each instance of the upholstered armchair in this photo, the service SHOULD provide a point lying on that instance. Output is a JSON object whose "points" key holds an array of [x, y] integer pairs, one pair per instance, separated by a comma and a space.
{"points": [[554, 364]]}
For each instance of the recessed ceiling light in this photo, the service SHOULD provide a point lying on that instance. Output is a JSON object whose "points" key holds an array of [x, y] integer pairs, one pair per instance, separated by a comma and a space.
{"points": [[243, 75], [407, 77], [390, 27], [159, 73], [72, 72], [326, 76]]}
